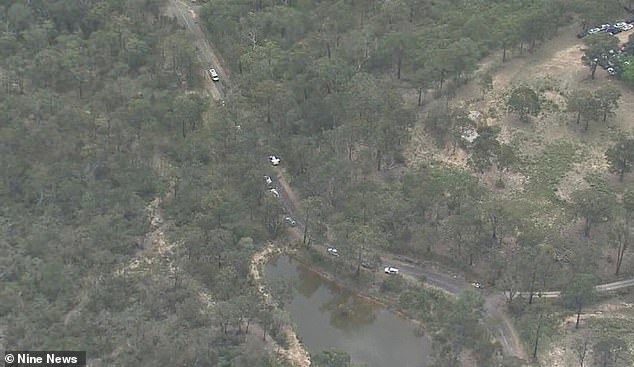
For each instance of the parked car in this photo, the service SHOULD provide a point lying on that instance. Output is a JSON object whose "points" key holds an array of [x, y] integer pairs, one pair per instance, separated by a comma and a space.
{"points": [[290, 221], [274, 160], [477, 285], [268, 180], [390, 270], [624, 26], [614, 30], [594, 30], [333, 251], [213, 74], [275, 193], [611, 71], [620, 25]]}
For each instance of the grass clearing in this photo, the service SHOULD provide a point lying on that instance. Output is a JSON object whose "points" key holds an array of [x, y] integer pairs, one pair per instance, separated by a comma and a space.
{"points": [[549, 168]]}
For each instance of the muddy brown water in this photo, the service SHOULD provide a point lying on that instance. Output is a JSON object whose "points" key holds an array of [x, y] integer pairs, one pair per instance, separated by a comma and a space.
{"points": [[328, 317]]}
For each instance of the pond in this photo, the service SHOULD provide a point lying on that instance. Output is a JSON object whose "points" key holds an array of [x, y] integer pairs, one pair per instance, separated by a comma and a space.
{"points": [[329, 317]]}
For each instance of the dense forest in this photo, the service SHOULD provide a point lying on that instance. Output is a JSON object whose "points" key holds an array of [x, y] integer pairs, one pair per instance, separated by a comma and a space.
{"points": [[98, 125], [132, 201]]}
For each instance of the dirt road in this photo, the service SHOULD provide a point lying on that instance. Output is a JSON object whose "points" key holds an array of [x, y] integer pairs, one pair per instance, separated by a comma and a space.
{"points": [[185, 15], [444, 280]]}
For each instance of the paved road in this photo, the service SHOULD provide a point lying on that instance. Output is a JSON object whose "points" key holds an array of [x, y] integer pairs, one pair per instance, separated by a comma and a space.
{"points": [[599, 288]]}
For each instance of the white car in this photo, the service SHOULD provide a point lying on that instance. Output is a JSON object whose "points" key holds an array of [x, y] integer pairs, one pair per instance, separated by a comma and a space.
{"points": [[268, 180], [275, 193], [274, 160], [611, 71], [213, 74], [594, 30], [333, 251], [390, 270], [477, 285], [290, 221]]}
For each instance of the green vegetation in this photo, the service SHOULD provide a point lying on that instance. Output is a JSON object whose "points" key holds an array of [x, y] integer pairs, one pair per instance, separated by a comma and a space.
{"points": [[546, 170], [101, 136], [132, 204]]}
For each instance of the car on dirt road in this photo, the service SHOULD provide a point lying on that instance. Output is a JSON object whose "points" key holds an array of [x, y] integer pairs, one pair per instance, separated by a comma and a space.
{"points": [[333, 251], [290, 221], [275, 193], [194, 16], [477, 285], [391, 270], [268, 180], [274, 160], [213, 74]]}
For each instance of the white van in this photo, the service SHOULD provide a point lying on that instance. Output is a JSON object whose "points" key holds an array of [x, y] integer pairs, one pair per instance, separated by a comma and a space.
{"points": [[213, 75]]}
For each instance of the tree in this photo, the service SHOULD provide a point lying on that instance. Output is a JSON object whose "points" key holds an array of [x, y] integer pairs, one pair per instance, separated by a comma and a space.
{"points": [[460, 124], [465, 318], [189, 109], [467, 232], [506, 158], [579, 293], [486, 148], [542, 321], [19, 18], [314, 210], [620, 156], [462, 57], [611, 351], [593, 206], [627, 67], [608, 100], [619, 237], [524, 101], [356, 240], [580, 348], [507, 34], [585, 105], [266, 319], [331, 358], [485, 82], [395, 44], [597, 46]]}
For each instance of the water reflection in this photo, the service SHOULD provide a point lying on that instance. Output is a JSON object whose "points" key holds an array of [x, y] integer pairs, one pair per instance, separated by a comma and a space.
{"points": [[329, 317], [349, 312], [307, 284]]}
